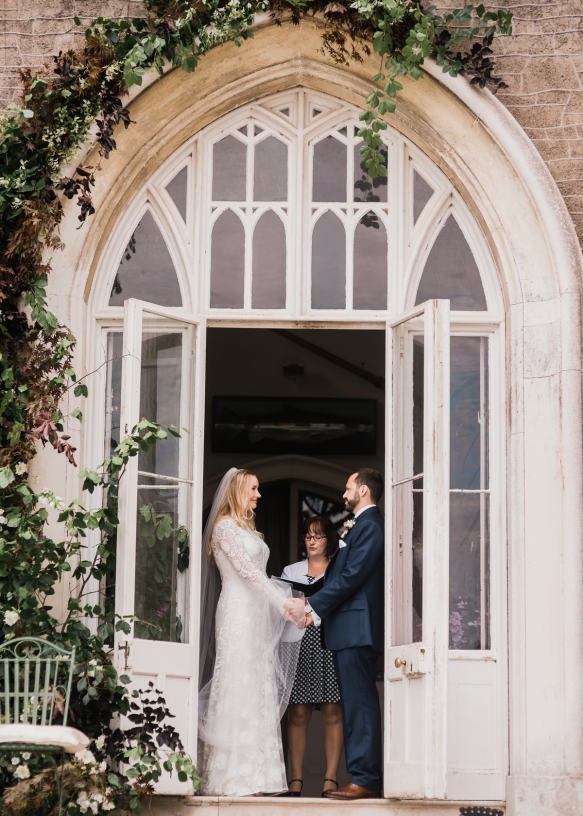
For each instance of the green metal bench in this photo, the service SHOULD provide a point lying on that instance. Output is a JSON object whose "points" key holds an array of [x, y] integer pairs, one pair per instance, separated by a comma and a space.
{"points": [[35, 689]]}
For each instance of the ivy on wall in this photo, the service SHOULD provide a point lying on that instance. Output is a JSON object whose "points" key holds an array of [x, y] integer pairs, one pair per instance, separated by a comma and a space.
{"points": [[84, 89]]}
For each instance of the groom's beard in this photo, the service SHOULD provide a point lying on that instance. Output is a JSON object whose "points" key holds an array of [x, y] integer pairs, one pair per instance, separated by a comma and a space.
{"points": [[350, 504]]}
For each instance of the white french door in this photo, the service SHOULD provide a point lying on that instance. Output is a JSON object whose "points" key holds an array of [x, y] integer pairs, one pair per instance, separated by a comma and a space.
{"points": [[417, 515], [160, 511]]}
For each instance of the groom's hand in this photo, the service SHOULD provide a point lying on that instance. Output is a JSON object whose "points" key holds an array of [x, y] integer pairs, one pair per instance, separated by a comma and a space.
{"points": [[309, 619]]}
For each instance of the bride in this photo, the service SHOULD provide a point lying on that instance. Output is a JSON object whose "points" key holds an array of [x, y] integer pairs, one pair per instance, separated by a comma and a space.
{"points": [[241, 705]]}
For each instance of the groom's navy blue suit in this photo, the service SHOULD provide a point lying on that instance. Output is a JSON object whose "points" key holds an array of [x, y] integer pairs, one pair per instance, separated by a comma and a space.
{"points": [[351, 605]]}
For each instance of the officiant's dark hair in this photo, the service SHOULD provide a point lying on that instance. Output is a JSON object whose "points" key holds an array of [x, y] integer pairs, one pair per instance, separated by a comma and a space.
{"points": [[325, 526], [373, 480]]}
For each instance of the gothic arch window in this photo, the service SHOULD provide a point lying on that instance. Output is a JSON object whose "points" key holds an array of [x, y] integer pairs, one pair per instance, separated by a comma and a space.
{"points": [[268, 216]]}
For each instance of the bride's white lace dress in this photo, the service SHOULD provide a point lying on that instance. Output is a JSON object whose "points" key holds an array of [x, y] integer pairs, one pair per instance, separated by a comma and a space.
{"points": [[239, 724]]}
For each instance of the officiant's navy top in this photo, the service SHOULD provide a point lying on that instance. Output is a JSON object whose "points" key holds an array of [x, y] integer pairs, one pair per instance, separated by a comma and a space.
{"points": [[351, 602]]}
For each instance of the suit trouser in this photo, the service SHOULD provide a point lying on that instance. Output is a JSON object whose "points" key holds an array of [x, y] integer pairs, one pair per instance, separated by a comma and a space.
{"points": [[361, 715]]}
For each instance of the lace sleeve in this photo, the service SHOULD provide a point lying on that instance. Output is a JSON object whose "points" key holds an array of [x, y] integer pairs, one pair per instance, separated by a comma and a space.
{"points": [[226, 535]]}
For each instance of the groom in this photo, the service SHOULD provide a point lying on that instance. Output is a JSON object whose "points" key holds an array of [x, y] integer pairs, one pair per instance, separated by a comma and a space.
{"points": [[351, 607]]}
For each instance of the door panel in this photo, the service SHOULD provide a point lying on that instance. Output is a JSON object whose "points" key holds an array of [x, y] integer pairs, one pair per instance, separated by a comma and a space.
{"points": [[162, 381], [417, 520]]}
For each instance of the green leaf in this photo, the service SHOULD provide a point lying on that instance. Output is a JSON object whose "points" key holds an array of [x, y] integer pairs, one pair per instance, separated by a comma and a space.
{"points": [[6, 476], [80, 390]]}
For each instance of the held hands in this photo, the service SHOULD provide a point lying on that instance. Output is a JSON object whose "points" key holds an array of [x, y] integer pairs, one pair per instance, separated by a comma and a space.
{"points": [[294, 611], [309, 619]]}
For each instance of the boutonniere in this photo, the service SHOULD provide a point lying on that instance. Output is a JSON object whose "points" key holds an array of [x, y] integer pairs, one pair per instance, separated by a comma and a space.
{"points": [[348, 525]]}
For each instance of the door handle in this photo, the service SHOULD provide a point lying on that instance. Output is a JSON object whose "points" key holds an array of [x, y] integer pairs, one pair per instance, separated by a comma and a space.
{"points": [[125, 647], [399, 662]]}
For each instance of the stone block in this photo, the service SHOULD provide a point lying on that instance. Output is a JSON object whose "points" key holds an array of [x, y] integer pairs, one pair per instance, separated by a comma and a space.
{"points": [[507, 65], [12, 56], [576, 149], [555, 97], [29, 9], [566, 169], [549, 73], [575, 202], [58, 26], [571, 43], [552, 149], [564, 23], [39, 46], [531, 45], [538, 116], [570, 188], [566, 132]]}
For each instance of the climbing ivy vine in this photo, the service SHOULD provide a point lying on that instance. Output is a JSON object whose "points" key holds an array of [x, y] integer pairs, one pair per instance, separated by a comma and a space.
{"points": [[82, 93]]}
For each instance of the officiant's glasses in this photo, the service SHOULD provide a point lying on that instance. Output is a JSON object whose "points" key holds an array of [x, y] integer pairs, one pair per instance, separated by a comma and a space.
{"points": [[315, 537]]}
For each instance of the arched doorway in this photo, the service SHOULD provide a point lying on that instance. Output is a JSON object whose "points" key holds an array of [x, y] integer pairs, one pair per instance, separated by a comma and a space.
{"points": [[528, 267]]}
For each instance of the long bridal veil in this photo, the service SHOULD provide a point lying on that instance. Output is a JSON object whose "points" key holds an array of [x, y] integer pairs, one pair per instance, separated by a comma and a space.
{"points": [[279, 644]]}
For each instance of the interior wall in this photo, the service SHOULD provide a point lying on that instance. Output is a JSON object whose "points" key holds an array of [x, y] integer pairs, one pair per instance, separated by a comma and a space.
{"points": [[249, 362]]}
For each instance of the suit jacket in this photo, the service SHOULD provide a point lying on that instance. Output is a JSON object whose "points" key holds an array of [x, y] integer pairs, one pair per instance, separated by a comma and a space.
{"points": [[351, 602]]}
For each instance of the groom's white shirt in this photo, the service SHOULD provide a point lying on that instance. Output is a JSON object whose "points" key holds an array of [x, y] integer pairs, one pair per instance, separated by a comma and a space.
{"points": [[315, 617]]}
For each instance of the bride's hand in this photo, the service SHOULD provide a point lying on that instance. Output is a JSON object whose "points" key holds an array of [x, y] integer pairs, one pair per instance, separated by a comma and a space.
{"points": [[294, 611]]}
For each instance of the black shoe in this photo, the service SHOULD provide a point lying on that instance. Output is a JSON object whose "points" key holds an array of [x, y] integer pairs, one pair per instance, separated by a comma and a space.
{"points": [[328, 780], [293, 793]]}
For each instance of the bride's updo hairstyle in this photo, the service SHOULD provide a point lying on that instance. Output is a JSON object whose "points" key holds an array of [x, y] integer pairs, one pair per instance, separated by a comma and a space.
{"points": [[235, 504]]}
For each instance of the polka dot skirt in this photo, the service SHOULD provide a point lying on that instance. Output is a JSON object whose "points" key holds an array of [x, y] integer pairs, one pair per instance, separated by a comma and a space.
{"points": [[315, 680]]}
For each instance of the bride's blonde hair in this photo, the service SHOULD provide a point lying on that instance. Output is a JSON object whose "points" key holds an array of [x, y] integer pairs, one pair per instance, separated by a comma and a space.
{"points": [[235, 505]]}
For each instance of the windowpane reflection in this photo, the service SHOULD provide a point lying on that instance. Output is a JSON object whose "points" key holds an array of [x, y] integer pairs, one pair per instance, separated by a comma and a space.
{"points": [[451, 272], [228, 262], [270, 171], [365, 188], [269, 263], [468, 413], [162, 539], [146, 271], [370, 263], [469, 571], [229, 170], [329, 170], [422, 192], [177, 190], [329, 263]]}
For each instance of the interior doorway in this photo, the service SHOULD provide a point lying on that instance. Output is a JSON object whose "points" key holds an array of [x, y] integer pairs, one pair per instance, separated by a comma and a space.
{"points": [[301, 400]]}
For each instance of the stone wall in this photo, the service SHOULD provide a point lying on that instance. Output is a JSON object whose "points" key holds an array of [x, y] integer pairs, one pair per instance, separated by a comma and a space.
{"points": [[542, 63]]}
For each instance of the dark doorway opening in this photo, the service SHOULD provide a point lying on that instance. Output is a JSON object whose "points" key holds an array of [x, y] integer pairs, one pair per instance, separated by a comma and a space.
{"points": [[343, 369]]}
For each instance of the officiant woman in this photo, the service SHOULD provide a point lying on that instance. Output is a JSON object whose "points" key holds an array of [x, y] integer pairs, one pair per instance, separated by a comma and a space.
{"points": [[315, 685]]}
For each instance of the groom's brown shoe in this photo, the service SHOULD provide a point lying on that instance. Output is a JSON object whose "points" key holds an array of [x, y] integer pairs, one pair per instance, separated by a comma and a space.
{"points": [[350, 792]]}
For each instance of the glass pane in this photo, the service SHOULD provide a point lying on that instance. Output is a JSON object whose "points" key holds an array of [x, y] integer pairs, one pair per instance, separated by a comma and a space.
{"points": [[469, 414], [177, 189], [162, 541], [365, 188], [228, 262], [422, 192], [114, 351], [408, 564], [160, 392], [370, 263], [469, 571], [418, 403], [270, 173], [146, 270], [451, 272], [269, 263], [113, 391], [329, 263], [229, 170], [329, 174]]}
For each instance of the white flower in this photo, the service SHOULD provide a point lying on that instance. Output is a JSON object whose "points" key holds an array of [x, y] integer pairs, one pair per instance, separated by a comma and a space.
{"points": [[15, 760], [21, 468], [43, 500], [107, 806], [85, 756], [26, 756], [97, 797], [100, 742], [22, 772], [3, 519], [11, 617], [103, 766]]}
